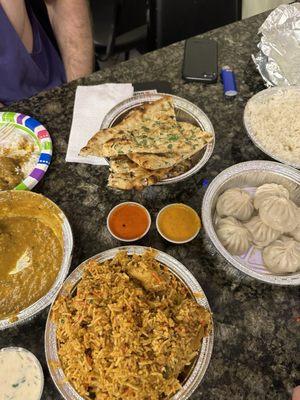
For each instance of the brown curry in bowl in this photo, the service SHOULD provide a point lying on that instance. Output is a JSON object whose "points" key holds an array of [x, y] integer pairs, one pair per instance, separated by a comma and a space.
{"points": [[31, 249]]}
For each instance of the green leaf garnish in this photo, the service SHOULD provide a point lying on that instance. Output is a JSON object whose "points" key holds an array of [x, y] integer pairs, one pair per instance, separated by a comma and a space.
{"points": [[173, 138]]}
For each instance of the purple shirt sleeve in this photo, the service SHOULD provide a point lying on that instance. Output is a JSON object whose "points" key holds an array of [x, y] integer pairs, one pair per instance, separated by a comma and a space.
{"points": [[23, 74]]}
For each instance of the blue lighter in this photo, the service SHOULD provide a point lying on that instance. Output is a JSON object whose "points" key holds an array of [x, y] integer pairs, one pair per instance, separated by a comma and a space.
{"points": [[228, 80]]}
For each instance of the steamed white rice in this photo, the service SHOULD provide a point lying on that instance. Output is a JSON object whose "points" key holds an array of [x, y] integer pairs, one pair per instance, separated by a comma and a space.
{"points": [[21, 147], [275, 122]]}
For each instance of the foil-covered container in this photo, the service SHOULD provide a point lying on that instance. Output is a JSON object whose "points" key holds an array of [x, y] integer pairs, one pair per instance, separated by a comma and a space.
{"points": [[249, 175], [197, 369], [278, 60], [30, 312], [185, 111]]}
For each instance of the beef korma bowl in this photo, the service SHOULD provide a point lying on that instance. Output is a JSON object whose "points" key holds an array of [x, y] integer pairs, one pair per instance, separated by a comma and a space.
{"points": [[35, 253]]}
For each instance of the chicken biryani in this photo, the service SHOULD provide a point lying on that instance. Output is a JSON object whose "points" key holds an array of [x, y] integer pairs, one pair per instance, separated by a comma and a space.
{"points": [[128, 330]]}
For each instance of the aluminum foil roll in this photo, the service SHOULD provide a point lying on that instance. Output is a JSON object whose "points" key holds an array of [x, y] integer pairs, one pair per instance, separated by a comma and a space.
{"points": [[278, 60]]}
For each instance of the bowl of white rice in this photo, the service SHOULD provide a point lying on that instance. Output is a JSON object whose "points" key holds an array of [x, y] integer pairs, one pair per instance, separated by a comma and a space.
{"points": [[272, 121]]}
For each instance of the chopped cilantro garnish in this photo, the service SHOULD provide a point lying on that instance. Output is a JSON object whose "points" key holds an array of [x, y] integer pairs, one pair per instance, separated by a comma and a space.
{"points": [[173, 138]]}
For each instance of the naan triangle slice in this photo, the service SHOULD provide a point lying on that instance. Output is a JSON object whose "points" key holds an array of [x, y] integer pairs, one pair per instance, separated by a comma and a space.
{"points": [[162, 139], [127, 181], [155, 161], [167, 160], [127, 175], [161, 109], [145, 115], [123, 165], [166, 137]]}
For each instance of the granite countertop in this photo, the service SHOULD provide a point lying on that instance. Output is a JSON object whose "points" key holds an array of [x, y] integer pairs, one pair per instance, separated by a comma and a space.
{"points": [[256, 324]]}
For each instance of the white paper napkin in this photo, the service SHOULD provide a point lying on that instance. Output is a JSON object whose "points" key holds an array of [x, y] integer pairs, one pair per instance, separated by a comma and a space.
{"points": [[92, 103]]}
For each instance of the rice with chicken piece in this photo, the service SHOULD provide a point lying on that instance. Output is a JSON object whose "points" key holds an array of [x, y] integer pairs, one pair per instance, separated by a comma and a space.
{"points": [[128, 330]]}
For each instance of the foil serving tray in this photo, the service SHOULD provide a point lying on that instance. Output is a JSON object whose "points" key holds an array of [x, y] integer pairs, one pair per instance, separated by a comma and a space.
{"points": [[28, 313], [184, 110], [250, 174], [198, 368], [258, 98]]}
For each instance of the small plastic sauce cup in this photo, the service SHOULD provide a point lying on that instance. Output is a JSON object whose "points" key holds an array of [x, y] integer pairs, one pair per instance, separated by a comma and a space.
{"points": [[128, 221], [178, 223]]}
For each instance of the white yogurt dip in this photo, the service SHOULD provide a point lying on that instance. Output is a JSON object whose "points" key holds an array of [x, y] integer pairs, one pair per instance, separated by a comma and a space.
{"points": [[21, 375]]}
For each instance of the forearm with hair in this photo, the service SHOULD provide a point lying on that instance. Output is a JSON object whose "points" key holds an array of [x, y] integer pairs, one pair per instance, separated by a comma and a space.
{"points": [[71, 23]]}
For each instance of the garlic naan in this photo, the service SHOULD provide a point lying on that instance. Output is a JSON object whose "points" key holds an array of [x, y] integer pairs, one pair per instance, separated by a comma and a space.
{"points": [[147, 146], [165, 137], [158, 161], [126, 175], [146, 115]]}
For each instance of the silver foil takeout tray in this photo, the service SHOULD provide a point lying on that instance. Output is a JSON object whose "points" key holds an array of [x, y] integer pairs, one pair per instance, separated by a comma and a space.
{"points": [[250, 174], [185, 111], [198, 368]]}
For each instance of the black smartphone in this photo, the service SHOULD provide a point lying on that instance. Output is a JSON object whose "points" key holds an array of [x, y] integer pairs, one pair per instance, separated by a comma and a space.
{"points": [[200, 60]]}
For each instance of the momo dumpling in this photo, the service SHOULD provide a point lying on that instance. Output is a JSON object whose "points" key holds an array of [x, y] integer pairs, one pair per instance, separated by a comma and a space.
{"points": [[262, 234], [296, 232], [279, 213], [233, 235], [282, 256], [267, 190], [236, 203]]}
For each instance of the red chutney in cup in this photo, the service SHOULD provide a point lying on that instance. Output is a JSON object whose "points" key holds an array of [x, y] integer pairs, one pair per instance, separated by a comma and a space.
{"points": [[128, 221]]}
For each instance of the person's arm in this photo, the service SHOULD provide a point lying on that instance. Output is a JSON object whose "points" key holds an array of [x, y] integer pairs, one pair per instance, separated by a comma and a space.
{"points": [[296, 393], [71, 23]]}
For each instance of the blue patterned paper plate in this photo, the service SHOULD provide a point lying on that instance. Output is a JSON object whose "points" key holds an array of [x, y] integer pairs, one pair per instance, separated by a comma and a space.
{"points": [[27, 126]]}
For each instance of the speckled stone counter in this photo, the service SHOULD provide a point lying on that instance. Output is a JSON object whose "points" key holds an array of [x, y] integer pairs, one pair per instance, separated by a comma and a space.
{"points": [[255, 353]]}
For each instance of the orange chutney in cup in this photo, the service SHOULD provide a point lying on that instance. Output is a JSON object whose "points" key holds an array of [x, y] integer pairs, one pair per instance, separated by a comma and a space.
{"points": [[128, 221], [178, 223]]}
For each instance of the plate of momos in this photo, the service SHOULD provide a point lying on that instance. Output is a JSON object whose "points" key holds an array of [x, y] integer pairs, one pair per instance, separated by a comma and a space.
{"points": [[251, 212]]}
